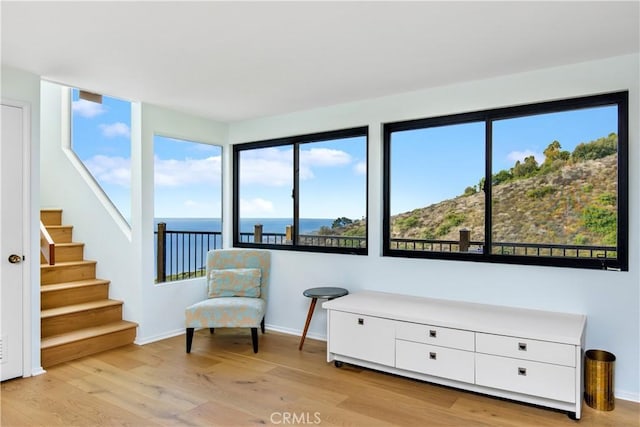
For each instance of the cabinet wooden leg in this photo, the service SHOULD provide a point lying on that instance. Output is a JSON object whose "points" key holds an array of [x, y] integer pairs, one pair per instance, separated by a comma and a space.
{"points": [[306, 325]]}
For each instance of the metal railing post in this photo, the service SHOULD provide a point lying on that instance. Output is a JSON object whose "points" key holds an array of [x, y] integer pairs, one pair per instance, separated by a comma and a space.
{"points": [[465, 238], [288, 234], [160, 264], [257, 233]]}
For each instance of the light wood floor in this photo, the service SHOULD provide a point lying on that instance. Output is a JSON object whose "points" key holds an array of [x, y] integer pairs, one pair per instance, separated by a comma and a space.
{"points": [[222, 383]]}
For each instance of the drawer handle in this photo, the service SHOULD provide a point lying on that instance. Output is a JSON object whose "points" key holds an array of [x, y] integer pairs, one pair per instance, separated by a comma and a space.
{"points": [[432, 333], [522, 371], [432, 355], [360, 321], [522, 346]]}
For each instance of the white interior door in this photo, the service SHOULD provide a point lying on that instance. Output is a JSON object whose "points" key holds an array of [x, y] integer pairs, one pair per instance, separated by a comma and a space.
{"points": [[11, 242]]}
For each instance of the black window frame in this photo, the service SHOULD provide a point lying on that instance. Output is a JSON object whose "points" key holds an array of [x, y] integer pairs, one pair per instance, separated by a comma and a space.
{"points": [[295, 142], [621, 99]]}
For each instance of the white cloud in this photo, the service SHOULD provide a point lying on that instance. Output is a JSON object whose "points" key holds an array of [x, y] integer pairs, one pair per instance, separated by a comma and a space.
{"points": [[87, 109], [179, 173], [267, 166], [320, 157], [324, 157], [257, 207], [360, 168], [110, 170], [520, 155], [115, 129], [273, 166]]}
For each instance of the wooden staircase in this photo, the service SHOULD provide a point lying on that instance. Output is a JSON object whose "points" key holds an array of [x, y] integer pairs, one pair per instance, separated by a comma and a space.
{"points": [[77, 317]]}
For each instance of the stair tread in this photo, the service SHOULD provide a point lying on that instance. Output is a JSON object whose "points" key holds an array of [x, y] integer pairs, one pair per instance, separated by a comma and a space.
{"points": [[68, 244], [68, 263], [85, 333], [69, 285], [76, 308]]}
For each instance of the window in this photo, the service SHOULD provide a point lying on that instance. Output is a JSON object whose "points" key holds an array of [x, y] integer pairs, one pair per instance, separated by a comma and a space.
{"points": [[101, 139], [187, 206], [542, 184], [304, 193]]}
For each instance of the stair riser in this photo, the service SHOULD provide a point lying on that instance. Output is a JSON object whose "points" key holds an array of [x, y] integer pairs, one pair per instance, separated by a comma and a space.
{"points": [[51, 217], [69, 253], [75, 350], [71, 296], [61, 234], [84, 319], [68, 273]]}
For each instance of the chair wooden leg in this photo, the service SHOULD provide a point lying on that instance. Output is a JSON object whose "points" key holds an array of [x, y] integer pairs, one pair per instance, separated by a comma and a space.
{"points": [[312, 306], [211, 330], [262, 325], [254, 339], [189, 339]]}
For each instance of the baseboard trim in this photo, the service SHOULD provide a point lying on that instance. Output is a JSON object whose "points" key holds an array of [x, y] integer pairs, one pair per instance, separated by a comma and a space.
{"points": [[159, 337], [627, 395]]}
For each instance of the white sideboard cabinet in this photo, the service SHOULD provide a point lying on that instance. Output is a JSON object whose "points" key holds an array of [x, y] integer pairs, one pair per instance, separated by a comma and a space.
{"points": [[526, 355]]}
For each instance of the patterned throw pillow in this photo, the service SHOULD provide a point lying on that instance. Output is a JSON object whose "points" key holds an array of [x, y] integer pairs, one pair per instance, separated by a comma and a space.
{"points": [[234, 282]]}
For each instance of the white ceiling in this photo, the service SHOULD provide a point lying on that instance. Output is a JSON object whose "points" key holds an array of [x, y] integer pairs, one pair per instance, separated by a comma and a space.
{"points": [[238, 60]]}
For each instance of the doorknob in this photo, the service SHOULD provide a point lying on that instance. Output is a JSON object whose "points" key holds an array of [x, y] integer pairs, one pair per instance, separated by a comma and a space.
{"points": [[15, 259]]}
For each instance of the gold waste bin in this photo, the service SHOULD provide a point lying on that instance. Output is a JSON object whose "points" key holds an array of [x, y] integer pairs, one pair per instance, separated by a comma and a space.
{"points": [[598, 379]]}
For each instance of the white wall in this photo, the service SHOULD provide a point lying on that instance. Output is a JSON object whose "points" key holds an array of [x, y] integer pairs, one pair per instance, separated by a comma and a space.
{"points": [[18, 85], [611, 300], [164, 304], [67, 185], [125, 253]]}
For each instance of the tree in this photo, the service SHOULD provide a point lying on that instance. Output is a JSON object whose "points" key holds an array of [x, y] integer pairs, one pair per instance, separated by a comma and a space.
{"points": [[470, 191], [500, 177], [526, 169], [341, 222], [597, 149]]}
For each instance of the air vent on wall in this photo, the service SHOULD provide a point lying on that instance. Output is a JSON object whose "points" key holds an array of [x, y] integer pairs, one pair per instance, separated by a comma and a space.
{"points": [[88, 96]]}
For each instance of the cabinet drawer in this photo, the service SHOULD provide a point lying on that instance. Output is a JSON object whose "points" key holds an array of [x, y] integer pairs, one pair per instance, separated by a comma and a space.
{"points": [[444, 337], [524, 376], [363, 337], [519, 348], [437, 361]]}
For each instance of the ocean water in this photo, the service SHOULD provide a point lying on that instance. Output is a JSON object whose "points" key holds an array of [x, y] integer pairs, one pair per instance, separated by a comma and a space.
{"points": [[186, 254], [269, 225]]}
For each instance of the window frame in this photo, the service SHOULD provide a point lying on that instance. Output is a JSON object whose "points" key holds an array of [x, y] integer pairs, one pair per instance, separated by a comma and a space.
{"points": [[621, 99], [295, 142]]}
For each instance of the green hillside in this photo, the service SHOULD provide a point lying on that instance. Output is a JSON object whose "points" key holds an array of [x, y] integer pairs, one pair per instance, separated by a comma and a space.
{"points": [[568, 199], [572, 205]]}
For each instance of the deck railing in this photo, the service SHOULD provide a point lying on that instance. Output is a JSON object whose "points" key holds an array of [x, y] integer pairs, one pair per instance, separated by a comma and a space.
{"points": [[306, 240], [183, 254]]}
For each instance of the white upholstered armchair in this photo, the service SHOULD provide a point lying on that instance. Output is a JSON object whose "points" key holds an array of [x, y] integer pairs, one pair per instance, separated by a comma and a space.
{"points": [[237, 285]]}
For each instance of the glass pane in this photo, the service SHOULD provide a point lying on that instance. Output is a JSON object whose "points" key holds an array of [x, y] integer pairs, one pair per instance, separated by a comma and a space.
{"points": [[333, 193], [555, 184], [436, 199], [188, 202], [101, 138], [265, 187]]}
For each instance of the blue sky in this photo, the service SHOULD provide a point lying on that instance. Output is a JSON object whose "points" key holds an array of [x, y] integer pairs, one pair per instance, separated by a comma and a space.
{"points": [[436, 164], [427, 165], [332, 180]]}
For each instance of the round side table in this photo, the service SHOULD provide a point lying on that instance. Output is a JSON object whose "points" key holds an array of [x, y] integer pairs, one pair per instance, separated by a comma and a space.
{"points": [[328, 293]]}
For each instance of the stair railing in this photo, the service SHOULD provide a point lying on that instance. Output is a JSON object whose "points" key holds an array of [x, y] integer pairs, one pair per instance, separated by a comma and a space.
{"points": [[47, 247]]}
